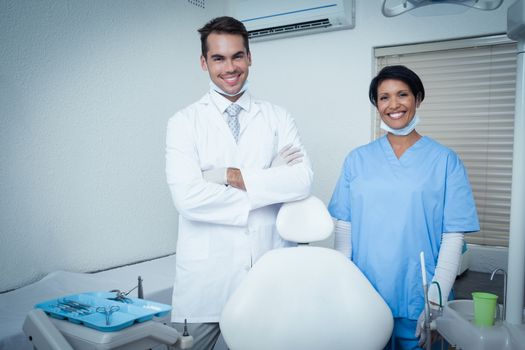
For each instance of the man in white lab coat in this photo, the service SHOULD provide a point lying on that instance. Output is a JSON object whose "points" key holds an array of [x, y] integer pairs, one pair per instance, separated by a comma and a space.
{"points": [[227, 183]]}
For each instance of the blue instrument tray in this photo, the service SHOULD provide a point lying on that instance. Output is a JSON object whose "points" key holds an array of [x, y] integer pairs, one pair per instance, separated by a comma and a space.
{"points": [[91, 310]]}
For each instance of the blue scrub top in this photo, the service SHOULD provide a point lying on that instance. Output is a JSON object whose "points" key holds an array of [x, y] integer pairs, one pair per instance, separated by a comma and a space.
{"points": [[398, 208]]}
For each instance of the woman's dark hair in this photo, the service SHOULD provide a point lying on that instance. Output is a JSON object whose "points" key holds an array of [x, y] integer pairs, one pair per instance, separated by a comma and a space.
{"points": [[223, 25], [397, 72]]}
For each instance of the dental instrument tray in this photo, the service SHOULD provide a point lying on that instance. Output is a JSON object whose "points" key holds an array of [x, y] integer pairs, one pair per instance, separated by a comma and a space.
{"points": [[103, 311]]}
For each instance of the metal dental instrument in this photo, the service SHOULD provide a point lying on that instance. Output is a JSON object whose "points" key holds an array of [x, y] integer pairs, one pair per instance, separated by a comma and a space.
{"points": [[122, 295], [75, 304], [72, 310], [140, 292], [108, 311], [72, 306]]}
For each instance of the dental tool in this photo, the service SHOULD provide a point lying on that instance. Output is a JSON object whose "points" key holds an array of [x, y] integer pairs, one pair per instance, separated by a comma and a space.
{"points": [[427, 305], [122, 296], [140, 291], [108, 311]]}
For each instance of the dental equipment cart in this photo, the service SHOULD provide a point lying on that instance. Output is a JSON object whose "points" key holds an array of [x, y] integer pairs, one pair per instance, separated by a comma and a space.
{"points": [[98, 320]]}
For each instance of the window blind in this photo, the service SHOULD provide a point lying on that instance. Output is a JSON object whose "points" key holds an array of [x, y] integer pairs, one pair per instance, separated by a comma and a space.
{"points": [[469, 107]]}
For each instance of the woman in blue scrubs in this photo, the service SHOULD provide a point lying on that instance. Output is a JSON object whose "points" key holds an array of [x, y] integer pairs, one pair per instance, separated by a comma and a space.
{"points": [[397, 196]]}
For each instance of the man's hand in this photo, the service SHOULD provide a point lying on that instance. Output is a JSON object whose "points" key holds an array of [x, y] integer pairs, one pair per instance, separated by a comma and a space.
{"points": [[288, 155], [234, 178]]}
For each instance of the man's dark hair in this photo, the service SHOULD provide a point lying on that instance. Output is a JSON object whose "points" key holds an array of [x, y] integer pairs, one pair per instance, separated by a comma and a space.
{"points": [[223, 25], [397, 72]]}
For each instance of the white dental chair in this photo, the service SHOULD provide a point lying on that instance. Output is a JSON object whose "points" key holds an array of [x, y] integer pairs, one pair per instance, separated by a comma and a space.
{"points": [[304, 297]]}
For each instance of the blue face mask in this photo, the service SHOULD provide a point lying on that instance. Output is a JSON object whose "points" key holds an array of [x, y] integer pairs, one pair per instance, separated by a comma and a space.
{"points": [[214, 86], [403, 131]]}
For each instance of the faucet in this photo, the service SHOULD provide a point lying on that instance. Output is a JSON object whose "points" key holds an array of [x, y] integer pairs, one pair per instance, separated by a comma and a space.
{"points": [[504, 290]]}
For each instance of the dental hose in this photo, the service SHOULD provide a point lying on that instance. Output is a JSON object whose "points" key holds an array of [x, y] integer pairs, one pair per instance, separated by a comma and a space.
{"points": [[428, 344], [427, 305]]}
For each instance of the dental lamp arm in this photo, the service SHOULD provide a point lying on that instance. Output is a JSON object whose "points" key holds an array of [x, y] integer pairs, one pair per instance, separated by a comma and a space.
{"points": [[343, 237]]}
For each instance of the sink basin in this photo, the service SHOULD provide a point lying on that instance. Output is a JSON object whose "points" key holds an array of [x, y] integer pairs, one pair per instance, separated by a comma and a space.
{"points": [[457, 326]]}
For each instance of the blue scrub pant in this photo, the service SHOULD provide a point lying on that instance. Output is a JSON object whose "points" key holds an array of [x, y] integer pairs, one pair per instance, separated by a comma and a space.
{"points": [[404, 338], [403, 335]]}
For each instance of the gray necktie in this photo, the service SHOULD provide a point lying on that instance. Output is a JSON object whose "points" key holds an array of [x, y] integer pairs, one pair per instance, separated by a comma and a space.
{"points": [[233, 120]]}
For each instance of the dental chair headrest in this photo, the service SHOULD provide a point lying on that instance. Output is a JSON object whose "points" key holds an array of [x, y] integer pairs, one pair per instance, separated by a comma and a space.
{"points": [[304, 221]]}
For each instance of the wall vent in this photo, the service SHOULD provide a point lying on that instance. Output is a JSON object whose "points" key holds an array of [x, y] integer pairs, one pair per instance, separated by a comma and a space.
{"points": [[198, 3]]}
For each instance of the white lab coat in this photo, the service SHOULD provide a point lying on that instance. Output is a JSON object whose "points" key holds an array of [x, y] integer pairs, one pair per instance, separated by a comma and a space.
{"points": [[224, 230]]}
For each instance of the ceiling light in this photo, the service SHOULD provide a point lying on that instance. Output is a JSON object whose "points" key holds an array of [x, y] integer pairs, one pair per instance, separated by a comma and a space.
{"points": [[397, 7]]}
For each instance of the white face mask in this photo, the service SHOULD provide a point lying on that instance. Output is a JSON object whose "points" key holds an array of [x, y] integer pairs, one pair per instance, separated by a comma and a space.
{"points": [[403, 131], [214, 86]]}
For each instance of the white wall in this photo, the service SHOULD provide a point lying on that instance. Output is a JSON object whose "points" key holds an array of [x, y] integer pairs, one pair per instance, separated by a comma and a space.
{"points": [[323, 79], [86, 88]]}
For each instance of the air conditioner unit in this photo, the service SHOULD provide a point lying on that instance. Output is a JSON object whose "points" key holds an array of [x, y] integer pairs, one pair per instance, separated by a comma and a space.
{"points": [[273, 19]]}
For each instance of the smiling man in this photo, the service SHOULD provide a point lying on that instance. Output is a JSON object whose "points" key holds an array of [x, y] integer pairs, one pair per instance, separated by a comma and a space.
{"points": [[231, 161], [227, 73]]}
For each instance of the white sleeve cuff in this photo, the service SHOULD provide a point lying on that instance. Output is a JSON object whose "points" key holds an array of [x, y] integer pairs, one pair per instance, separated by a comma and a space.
{"points": [[343, 237], [447, 267]]}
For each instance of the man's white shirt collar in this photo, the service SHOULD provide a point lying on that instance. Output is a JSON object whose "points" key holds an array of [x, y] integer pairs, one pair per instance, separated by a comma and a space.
{"points": [[222, 102]]}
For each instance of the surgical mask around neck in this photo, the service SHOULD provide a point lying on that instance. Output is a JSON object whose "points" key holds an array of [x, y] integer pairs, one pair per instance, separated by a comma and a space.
{"points": [[214, 86], [403, 131]]}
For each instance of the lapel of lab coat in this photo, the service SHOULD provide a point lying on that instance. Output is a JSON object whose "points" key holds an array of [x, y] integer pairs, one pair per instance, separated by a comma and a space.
{"points": [[251, 111], [215, 116]]}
